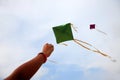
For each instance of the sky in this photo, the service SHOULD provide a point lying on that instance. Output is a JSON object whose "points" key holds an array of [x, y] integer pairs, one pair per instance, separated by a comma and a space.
{"points": [[26, 25]]}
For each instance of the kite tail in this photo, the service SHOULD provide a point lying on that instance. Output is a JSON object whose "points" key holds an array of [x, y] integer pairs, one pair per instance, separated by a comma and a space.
{"points": [[101, 31], [79, 42], [113, 60], [64, 44]]}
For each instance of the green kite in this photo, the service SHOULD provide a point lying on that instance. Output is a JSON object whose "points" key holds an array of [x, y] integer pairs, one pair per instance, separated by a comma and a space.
{"points": [[63, 33]]}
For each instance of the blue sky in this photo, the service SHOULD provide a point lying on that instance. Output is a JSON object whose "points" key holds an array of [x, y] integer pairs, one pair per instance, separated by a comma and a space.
{"points": [[26, 25]]}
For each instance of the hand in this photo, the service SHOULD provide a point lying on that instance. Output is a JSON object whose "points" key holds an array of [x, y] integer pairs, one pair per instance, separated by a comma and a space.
{"points": [[48, 49]]}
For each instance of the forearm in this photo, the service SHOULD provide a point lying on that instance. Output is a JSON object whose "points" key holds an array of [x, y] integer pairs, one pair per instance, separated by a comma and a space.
{"points": [[28, 69]]}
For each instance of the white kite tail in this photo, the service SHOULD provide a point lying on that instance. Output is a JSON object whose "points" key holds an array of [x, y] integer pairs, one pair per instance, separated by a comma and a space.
{"points": [[79, 42], [63, 44], [74, 28]]}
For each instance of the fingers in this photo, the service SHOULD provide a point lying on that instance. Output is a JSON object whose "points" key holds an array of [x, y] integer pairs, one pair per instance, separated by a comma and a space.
{"points": [[50, 45], [48, 49]]}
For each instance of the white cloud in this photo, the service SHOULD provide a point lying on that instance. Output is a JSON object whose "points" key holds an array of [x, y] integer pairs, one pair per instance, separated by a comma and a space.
{"points": [[25, 21]]}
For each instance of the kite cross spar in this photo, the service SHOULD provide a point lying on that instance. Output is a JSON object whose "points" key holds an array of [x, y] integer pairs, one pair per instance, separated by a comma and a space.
{"points": [[64, 33]]}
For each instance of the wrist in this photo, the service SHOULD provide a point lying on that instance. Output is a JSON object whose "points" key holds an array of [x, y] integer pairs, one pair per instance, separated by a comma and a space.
{"points": [[44, 57], [45, 53]]}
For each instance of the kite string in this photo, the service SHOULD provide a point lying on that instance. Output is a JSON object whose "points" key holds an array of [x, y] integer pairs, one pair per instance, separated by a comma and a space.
{"points": [[96, 50], [52, 61]]}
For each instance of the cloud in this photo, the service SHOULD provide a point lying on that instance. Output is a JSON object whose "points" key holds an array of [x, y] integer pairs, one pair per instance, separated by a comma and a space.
{"points": [[26, 24], [18, 29]]}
